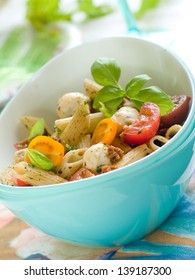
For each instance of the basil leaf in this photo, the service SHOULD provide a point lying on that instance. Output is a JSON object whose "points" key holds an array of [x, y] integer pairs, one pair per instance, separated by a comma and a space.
{"points": [[155, 95], [106, 94], [37, 129], [106, 71], [134, 86], [57, 129], [39, 160], [109, 108], [108, 100]]}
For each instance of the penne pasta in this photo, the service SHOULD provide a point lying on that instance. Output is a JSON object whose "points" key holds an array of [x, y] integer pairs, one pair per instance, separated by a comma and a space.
{"points": [[120, 144], [72, 161], [94, 119], [135, 154], [29, 121], [20, 155], [6, 177], [77, 127], [35, 176], [84, 142], [91, 88]]}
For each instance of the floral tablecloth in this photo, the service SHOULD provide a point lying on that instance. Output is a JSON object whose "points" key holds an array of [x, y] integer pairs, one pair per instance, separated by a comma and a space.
{"points": [[173, 240]]}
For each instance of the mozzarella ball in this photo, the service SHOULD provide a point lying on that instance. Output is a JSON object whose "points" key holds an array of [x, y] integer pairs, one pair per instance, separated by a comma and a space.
{"points": [[125, 116], [95, 156], [69, 102]]}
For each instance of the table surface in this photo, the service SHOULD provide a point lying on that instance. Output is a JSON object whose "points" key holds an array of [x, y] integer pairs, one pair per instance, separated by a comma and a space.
{"points": [[175, 238]]}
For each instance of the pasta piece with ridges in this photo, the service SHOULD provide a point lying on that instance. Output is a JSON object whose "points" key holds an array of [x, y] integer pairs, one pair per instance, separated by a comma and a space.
{"points": [[20, 155], [29, 121], [77, 127], [85, 142], [135, 154], [94, 119], [72, 161], [35, 176], [91, 88], [6, 177]]}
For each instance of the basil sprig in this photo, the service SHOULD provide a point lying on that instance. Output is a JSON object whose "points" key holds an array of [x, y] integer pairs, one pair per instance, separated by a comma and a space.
{"points": [[106, 72], [40, 161], [37, 129]]}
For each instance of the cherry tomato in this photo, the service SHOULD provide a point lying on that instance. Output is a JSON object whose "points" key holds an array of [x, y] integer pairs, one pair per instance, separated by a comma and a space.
{"points": [[179, 113], [104, 132], [49, 147], [82, 173], [145, 127], [20, 183]]}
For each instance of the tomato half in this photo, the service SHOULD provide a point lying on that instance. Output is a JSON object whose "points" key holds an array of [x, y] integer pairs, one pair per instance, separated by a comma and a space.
{"points": [[82, 173], [104, 132], [179, 113], [49, 147], [145, 127]]}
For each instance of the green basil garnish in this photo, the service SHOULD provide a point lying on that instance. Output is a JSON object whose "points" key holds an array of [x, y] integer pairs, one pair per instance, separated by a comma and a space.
{"points": [[37, 129], [106, 72], [40, 161]]}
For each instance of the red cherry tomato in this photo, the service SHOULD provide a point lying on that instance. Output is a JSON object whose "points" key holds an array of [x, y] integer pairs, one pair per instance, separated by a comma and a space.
{"points": [[145, 127], [179, 113], [20, 183], [82, 173]]}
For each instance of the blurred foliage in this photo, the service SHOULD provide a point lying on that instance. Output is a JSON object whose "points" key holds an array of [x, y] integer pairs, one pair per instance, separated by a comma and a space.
{"points": [[145, 6], [92, 11], [40, 13]]}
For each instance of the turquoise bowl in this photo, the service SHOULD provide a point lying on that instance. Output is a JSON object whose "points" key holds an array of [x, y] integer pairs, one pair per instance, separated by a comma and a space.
{"points": [[124, 205]]}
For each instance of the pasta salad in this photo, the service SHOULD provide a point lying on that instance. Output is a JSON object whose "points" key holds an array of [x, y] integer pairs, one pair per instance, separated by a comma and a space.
{"points": [[101, 129]]}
